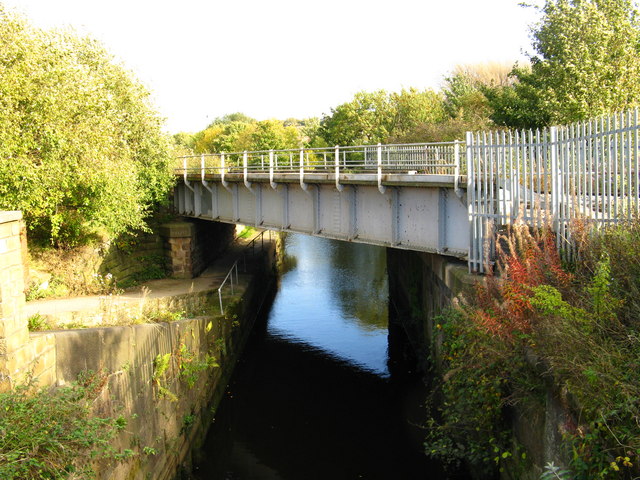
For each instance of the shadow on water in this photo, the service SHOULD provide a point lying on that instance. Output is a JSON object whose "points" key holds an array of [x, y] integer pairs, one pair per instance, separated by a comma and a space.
{"points": [[297, 410]]}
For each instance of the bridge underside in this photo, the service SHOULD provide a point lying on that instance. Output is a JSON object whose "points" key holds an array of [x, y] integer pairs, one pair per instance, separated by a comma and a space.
{"points": [[425, 218]]}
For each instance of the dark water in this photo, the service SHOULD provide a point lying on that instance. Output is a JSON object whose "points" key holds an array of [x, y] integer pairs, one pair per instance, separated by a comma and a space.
{"points": [[312, 396]]}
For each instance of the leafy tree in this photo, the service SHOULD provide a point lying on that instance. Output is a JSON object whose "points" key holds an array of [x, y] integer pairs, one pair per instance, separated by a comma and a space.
{"points": [[412, 108], [373, 117], [269, 134], [587, 63], [366, 119], [237, 117], [81, 151]]}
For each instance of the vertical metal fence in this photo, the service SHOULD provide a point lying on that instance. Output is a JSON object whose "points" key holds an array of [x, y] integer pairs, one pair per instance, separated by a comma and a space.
{"points": [[553, 176]]}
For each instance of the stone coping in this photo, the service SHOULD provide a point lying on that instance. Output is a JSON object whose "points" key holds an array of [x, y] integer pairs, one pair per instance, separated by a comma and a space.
{"points": [[10, 216]]}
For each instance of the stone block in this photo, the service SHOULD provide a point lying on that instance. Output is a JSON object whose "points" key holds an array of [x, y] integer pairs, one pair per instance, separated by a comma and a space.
{"points": [[6, 230], [46, 377], [43, 342], [16, 341], [177, 230], [11, 324], [77, 350], [20, 361]]}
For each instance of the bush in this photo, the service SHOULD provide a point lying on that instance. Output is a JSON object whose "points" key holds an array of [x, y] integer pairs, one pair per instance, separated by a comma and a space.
{"points": [[82, 154], [537, 324]]}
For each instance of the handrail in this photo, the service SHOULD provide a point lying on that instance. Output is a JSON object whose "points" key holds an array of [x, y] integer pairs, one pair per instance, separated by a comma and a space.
{"points": [[229, 276], [431, 158], [252, 245], [234, 267]]}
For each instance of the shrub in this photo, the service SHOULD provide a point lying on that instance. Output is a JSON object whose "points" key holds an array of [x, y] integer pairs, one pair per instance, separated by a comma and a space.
{"points": [[537, 324], [82, 153]]}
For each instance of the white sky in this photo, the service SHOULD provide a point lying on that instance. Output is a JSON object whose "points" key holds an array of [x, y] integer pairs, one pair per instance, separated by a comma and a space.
{"points": [[287, 58]]}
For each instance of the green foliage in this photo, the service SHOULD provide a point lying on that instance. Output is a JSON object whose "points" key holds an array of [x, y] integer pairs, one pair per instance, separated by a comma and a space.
{"points": [[375, 117], [237, 132], [160, 366], [81, 152], [37, 322], [535, 318], [247, 232], [468, 425], [52, 433], [149, 451], [587, 63], [187, 422], [554, 472], [191, 366]]}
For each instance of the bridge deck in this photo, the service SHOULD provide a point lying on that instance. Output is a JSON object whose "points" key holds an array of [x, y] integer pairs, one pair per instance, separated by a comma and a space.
{"points": [[387, 179]]}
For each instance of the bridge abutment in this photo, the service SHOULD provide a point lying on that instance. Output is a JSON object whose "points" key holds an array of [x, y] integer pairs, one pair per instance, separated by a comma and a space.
{"points": [[191, 245], [421, 286]]}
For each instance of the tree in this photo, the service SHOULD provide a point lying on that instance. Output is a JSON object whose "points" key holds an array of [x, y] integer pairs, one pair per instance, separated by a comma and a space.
{"points": [[81, 151], [587, 63], [412, 108], [269, 134], [366, 119], [373, 117]]}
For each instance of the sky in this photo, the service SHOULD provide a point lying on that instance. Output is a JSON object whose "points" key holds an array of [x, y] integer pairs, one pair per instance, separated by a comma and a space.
{"points": [[287, 58]]}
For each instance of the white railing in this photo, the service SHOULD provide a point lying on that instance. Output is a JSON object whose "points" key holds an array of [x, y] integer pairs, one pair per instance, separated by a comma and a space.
{"points": [[427, 158], [554, 176]]}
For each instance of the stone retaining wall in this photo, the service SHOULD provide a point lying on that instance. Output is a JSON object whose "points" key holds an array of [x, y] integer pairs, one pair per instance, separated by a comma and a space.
{"points": [[191, 245], [21, 355], [168, 412]]}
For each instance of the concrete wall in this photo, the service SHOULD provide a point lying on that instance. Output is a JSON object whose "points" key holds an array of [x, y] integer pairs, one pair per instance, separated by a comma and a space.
{"points": [[165, 414]]}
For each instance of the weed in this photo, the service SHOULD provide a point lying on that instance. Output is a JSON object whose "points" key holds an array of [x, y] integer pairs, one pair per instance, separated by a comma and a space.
{"points": [[574, 324], [187, 421], [51, 433], [191, 367], [149, 451], [37, 323]]}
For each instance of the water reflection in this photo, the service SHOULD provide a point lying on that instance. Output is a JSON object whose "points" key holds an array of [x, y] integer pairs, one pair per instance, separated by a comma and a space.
{"points": [[336, 294], [312, 397]]}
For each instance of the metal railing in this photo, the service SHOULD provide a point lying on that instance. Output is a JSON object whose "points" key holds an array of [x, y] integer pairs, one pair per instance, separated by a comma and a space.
{"points": [[553, 176], [420, 158], [252, 246], [234, 268]]}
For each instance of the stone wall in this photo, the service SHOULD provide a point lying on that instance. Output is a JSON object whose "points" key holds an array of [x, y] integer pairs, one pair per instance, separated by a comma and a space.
{"points": [[21, 356], [168, 412], [421, 286], [191, 244], [135, 263]]}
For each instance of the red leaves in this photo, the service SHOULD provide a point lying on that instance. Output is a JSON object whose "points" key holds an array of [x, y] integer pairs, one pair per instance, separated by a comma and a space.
{"points": [[502, 303]]}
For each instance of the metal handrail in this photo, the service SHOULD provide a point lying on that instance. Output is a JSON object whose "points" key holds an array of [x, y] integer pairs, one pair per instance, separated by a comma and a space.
{"points": [[431, 158], [228, 277], [234, 267]]}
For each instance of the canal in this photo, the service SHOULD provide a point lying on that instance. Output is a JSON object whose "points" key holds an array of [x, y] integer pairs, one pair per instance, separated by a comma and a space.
{"points": [[313, 396]]}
